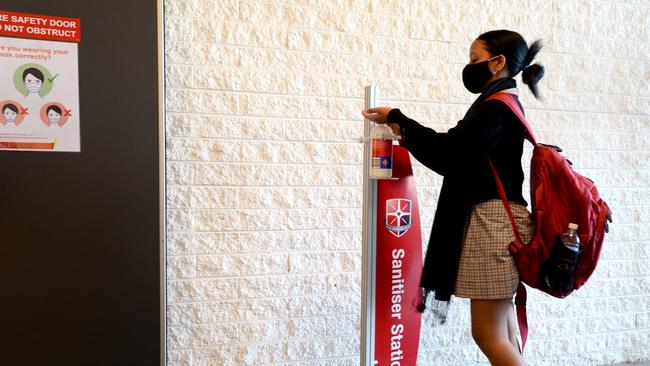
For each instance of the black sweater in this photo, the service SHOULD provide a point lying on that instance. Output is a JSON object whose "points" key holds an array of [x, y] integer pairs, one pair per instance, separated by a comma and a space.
{"points": [[460, 155], [489, 128]]}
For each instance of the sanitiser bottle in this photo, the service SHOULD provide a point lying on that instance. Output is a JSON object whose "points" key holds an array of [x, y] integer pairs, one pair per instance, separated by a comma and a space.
{"points": [[381, 150]]}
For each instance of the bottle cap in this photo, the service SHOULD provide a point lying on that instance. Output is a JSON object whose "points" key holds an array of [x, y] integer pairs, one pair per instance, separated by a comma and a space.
{"points": [[573, 226]]}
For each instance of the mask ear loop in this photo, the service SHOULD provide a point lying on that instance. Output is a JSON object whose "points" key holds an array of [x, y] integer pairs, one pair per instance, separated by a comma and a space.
{"points": [[494, 73]]}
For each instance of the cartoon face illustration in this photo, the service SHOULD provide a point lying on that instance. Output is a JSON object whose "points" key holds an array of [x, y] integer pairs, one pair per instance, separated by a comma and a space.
{"points": [[33, 79], [10, 113], [53, 114]]}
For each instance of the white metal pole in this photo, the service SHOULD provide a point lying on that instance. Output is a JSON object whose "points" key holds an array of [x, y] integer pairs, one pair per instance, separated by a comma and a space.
{"points": [[369, 242]]}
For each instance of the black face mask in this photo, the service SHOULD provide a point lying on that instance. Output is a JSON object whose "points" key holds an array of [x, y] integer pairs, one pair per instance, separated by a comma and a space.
{"points": [[475, 76]]}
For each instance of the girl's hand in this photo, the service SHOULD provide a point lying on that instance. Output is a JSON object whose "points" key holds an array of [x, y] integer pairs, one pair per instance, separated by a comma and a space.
{"points": [[378, 114]]}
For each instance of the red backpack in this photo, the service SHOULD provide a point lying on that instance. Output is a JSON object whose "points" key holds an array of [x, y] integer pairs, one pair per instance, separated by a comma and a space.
{"points": [[559, 196]]}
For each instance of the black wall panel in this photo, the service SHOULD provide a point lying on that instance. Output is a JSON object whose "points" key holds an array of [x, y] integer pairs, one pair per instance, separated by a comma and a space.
{"points": [[80, 232]]}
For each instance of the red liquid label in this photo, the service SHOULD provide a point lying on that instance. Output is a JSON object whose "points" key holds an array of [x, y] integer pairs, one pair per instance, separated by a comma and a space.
{"points": [[382, 154]]}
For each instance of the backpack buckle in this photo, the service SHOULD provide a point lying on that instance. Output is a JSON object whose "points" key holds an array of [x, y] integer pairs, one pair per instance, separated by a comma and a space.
{"points": [[515, 247]]}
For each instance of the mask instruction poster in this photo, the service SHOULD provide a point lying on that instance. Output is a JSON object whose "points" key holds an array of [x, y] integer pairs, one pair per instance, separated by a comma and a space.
{"points": [[39, 82]]}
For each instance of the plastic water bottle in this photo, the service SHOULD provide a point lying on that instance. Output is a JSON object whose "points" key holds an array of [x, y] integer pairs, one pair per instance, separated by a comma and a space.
{"points": [[571, 239], [559, 271], [381, 150]]}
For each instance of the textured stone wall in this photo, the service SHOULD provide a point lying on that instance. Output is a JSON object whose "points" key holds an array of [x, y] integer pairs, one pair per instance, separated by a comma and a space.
{"points": [[264, 171]]}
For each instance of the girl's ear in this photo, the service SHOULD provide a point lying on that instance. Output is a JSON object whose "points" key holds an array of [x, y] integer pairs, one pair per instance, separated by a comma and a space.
{"points": [[501, 63]]}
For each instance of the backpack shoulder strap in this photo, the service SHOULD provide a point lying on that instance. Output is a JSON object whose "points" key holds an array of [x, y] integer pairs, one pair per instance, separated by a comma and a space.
{"points": [[520, 299], [514, 247], [509, 100], [522, 318], [504, 200]]}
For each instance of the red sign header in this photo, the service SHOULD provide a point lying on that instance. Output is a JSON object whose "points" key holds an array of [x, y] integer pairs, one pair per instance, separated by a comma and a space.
{"points": [[37, 26]]}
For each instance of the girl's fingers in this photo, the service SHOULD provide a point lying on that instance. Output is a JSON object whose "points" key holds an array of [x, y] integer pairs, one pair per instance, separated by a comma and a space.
{"points": [[371, 116]]}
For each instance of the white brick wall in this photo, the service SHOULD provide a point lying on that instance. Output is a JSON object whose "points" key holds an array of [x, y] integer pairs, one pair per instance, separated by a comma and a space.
{"points": [[264, 174]]}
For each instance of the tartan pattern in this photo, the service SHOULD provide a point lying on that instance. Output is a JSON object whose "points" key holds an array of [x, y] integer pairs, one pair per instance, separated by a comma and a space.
{"points": [[487, 269]]}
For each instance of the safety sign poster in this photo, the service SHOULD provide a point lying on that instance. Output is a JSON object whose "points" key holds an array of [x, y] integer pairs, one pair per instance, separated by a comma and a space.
{"points": [[39, 82]]}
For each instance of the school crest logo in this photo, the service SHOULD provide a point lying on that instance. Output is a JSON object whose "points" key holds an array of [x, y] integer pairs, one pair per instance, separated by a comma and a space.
{"points": [[398, 216]]}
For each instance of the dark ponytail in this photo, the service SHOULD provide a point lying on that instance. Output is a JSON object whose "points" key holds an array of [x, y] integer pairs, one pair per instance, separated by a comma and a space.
{"points": [[518, 55], [533, 73]]}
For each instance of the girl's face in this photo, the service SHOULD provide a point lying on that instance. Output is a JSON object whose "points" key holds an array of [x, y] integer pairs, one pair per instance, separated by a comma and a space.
{"points": [[478, 73], [32, 83], [53, 117], [10, 116]]}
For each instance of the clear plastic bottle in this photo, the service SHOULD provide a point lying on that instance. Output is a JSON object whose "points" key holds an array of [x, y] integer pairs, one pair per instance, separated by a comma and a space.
{"points": [[559, 271], [570, 238], [381, 150]]}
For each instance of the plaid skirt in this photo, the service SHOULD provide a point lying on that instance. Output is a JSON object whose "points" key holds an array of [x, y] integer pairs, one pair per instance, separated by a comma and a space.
{"points": [[487, 269]]}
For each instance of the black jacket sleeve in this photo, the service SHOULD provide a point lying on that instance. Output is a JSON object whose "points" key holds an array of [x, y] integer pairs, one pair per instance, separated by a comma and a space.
{"points": [[444, 152]]}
